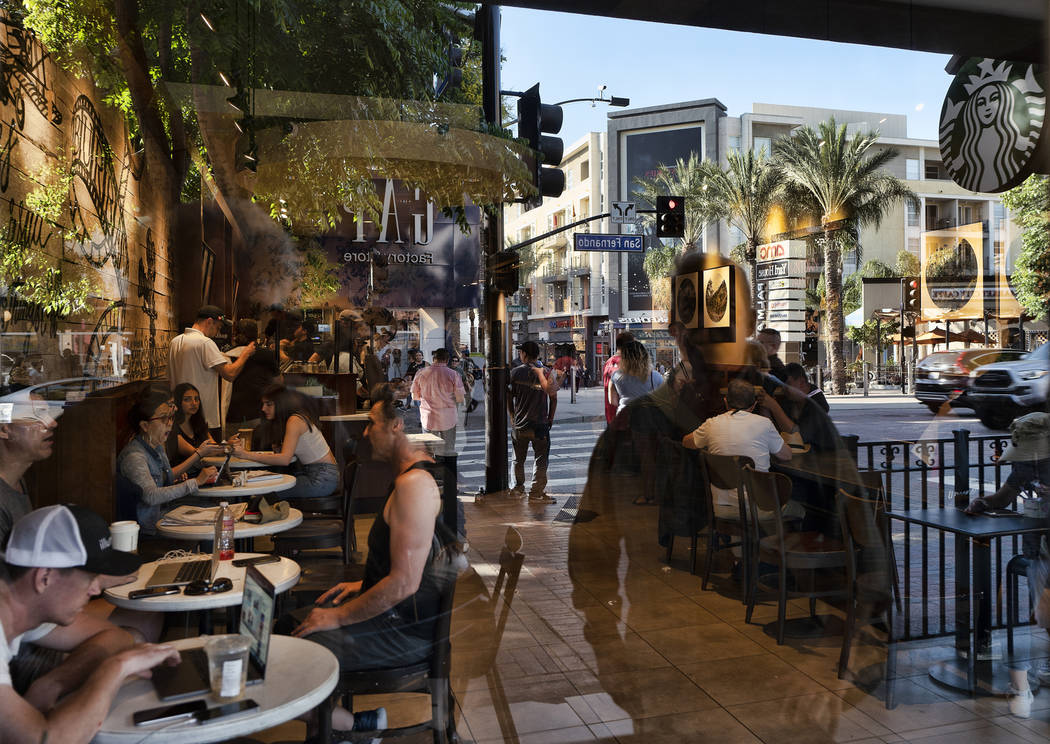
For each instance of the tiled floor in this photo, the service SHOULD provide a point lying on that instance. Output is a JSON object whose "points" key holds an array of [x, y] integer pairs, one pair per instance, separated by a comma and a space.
{"points": [[615, 645]]}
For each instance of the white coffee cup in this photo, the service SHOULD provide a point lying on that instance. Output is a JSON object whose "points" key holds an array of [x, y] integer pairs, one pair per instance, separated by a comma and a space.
{"points": [[125, 536]]}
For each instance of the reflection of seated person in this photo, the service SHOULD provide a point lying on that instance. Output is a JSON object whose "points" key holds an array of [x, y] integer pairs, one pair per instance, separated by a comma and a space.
{"points": [[806, 405], [739, 432], [388, 619], [146, 480], [298, 348]]}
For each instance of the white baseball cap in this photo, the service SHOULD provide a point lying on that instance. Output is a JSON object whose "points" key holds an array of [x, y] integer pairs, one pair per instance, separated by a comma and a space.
{"points": [[67, 536]]}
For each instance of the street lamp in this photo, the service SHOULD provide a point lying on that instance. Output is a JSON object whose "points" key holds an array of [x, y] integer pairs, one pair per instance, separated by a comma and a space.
{"points": [[617, 101]]}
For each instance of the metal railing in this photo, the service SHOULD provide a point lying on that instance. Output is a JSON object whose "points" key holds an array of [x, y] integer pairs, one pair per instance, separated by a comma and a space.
{"points": [[937, 473]]}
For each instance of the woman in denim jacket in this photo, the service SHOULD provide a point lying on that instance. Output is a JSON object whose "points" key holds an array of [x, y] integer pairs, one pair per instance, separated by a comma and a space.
{"points": [[144, 474]]}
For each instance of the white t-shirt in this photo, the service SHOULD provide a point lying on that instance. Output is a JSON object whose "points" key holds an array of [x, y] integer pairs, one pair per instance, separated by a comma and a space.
{"points": [[739, 433], [8, 651], [192, 358]]}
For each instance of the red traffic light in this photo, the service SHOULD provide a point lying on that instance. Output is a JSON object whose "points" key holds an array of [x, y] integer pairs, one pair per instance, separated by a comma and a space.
{"points": [[913, 284], [671, 204]]}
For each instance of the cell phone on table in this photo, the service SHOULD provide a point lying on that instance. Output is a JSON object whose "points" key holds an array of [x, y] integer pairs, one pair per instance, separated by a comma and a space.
{"points": [[256, 560], [168, 713], [153, 591], [221, 711]]}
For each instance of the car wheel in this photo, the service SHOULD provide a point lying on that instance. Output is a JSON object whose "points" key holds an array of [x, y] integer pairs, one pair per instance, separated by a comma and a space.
{"points": [[997, 420]]}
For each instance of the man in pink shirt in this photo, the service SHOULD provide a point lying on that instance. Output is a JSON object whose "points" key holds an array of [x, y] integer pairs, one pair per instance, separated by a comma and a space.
{"points": [[440, 389], [607, 372]]}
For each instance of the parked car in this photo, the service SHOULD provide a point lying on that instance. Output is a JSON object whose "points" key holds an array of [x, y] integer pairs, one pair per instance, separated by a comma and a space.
{"points": [[1001, 392], [946, 375]]}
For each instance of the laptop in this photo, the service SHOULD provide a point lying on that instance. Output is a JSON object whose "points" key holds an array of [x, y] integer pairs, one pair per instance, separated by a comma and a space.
{"points": [[190, 675], [224, 476], [180, 573]]}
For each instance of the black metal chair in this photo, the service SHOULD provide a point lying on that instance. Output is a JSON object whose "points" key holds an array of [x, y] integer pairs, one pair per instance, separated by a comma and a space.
{"points": [[1016, 568], [789, 551], [431, 677], [320, 531], [723, 471]]}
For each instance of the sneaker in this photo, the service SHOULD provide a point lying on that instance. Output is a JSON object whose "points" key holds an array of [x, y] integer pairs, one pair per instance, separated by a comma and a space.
{"points": [[1021, 703], [370, 720], [517, 491]]}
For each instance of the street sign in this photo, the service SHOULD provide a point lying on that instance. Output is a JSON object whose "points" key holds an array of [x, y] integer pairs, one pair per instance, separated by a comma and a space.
{"points": [[623, 212], [517, 309], [599, 242], [772, 270]]}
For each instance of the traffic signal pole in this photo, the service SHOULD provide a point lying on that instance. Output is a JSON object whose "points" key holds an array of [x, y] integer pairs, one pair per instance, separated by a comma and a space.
{"points": [[496, 463]]}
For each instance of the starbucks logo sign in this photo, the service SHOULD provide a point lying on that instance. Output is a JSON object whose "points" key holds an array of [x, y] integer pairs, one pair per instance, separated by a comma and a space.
{"points": [[991, 122]]}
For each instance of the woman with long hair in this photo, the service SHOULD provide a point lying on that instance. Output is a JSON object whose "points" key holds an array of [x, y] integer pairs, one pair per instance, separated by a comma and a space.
{"points": [[990, 137], [634, 377], [189, 430], [297, 438], [146, 481]]}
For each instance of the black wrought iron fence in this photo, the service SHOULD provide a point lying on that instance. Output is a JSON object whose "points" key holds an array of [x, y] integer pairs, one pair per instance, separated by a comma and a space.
{"points": [[937, 473]]}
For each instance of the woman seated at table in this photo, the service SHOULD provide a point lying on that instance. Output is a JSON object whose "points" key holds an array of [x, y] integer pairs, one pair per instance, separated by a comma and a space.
{"points": [[145, 476], [316, 472], [190, 429]]}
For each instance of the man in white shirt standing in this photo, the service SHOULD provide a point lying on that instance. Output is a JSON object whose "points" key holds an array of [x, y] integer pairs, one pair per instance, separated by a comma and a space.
{"points": [[193, 357], [440, 389], [53, 564], [738, 432]]}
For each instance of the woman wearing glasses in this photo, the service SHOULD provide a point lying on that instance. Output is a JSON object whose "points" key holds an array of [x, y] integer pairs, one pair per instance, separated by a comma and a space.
{"points": [[147, 484]]}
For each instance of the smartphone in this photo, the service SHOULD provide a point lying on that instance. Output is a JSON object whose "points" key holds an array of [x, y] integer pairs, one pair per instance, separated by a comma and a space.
{"points": [[256, 561], [170, 712], [221, 711], [153, 591]]}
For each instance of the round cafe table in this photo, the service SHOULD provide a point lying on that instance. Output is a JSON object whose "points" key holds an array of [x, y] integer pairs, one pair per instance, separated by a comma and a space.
{"points": [[241, 529], [300, 676], [283, 575], [270, 485]]}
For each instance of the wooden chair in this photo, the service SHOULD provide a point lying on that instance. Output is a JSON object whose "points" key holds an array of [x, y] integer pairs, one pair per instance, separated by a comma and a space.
{"points": [[320, 532], [796, 552], [872, 482], [723, 471]]}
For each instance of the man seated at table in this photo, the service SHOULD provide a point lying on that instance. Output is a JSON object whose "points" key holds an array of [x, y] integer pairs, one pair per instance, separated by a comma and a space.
{"points": [[742, 433], [55, 560], [388, 619]]}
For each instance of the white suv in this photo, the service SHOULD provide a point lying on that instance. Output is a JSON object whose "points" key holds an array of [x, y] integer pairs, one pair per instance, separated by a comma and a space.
{"points": [[1000, 392]]}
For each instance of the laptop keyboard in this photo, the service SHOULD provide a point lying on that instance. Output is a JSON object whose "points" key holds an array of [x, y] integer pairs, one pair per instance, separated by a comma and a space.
{"points": [[193, 571]]}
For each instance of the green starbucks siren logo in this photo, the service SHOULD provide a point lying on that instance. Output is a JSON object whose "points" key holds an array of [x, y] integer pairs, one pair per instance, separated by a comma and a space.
{"points": [[991, 122]]}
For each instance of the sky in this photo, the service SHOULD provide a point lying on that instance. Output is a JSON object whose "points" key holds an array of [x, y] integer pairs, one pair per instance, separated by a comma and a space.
{"points": [[654, 63]]}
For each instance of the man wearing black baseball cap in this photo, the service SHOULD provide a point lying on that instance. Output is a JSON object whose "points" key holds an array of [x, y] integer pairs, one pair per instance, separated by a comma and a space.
{"points": [[194, 358], [51, 567]]}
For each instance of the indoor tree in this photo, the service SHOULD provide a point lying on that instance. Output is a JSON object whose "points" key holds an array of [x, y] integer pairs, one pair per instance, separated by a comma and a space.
{"points": [[841, 180]]}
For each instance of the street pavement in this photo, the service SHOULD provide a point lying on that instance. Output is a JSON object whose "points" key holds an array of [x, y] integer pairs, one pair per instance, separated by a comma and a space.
{"points": [[882, 416]]}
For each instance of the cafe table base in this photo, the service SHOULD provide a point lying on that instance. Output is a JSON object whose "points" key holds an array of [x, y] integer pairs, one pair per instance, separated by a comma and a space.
{"points": [[991, 677]]}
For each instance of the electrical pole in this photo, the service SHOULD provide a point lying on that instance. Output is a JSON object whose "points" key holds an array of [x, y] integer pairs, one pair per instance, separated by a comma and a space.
{"points": [[487, 30]]}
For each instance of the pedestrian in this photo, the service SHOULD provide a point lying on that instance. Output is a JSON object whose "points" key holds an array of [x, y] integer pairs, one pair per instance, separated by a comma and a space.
{"points": [[533, 401], [26, 437], [770, 340], [193, 357], [607, 372], [634, 377], [439, 388]]}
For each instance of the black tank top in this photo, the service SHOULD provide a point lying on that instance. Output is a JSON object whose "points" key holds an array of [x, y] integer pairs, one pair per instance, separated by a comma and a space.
{"points": [[418, 611]]}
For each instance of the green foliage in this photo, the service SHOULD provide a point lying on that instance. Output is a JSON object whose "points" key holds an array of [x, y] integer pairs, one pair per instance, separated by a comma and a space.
{"points": [[866, 334], [51, 186], [907, 264], [318, 276], [687, 179], [1029, 206], [34, 277]]}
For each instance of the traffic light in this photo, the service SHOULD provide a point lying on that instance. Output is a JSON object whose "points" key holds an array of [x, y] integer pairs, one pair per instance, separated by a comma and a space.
{"points": [[535, 121], [670, 217], [911, 300], [503, 271]]}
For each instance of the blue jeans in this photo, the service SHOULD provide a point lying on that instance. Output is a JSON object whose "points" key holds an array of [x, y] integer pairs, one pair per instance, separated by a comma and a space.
{"points": [[314, 481]]}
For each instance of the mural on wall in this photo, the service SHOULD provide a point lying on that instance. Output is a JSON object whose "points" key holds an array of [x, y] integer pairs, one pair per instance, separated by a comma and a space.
{"points": [[58, 140]]}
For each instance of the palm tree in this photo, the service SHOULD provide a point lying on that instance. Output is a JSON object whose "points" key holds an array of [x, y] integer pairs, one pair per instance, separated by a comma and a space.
{"points": [[744, 195], [842, 180], [687, 179]]}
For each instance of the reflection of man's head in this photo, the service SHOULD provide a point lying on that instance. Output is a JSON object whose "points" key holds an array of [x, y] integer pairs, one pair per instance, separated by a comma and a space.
{"points": [[27, 428], [720, 348]]}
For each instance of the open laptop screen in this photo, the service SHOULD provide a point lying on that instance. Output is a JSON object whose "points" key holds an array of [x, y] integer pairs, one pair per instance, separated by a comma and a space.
{"points": [[257, 610]]}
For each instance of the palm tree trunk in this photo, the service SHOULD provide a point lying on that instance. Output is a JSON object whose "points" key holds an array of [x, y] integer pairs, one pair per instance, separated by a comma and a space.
{"points": [[752, 263], [836, 323]]}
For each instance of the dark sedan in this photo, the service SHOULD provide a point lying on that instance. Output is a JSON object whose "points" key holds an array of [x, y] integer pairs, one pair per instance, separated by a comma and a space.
{"points": [[945, 375]]}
